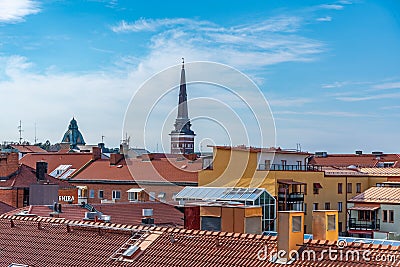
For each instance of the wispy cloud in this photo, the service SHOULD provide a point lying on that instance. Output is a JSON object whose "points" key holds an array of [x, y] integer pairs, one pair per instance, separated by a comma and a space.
{"points": [[370, 97], [385, 86], [250, 45], [12, 11], [332, 6], [290, 102], [324, 113], [327, 18]]}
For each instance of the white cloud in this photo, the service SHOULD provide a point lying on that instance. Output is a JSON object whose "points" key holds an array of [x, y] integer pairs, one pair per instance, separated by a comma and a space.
{"points": [[12, 11], [332, 6], [384, 86], [366, 98], [327, 18], [324, 113], [289, 102]]}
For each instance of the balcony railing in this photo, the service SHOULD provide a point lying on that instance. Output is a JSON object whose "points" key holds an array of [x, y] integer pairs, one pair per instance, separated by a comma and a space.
{"points": [[292, 197], [364, 225], [282, 167]]}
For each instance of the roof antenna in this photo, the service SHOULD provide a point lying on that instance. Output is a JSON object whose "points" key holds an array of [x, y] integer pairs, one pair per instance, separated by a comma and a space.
{"points": [[35, 135], [183, 63], [20, 132]]}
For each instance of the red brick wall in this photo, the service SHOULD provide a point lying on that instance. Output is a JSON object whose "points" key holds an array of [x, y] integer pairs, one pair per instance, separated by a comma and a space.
{"points": [[70, 192], [8, 164]]}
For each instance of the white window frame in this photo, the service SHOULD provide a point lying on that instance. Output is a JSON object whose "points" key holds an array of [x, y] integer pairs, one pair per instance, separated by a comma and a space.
{"points": [[114, 194]]}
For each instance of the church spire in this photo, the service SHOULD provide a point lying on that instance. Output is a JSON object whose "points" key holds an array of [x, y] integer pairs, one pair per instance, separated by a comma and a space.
{"points": [[182, 137], [182, 108]]}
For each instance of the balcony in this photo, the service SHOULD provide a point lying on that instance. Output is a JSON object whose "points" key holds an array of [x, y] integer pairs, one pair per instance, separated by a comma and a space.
{"points": [[364, 225], [283, 167]]}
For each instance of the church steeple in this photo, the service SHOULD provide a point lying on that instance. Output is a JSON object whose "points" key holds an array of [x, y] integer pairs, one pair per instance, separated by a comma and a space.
{"points": [[182, 137]]}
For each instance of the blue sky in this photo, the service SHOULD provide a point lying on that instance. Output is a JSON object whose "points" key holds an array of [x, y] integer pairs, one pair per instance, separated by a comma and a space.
{"points": [[329, 69]]}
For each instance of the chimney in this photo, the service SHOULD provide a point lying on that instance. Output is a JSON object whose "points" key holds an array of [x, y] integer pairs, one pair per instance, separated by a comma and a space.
{"points": [[290, 232], [325, 225], [359, 152], [96, 153], [115, 158], [41, 170], [8, 164]]}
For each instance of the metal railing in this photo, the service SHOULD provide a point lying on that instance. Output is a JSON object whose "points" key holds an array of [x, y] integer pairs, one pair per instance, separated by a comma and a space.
{"points": [[283, 167], [292, 197], [354, 224]]}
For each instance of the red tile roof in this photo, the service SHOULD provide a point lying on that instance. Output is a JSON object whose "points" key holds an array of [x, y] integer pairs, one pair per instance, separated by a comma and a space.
{"points": [[28, 149], [121, 213], [157, 170], [26, 176], [77, 160], [102, 170], [4, 207], [379, 195], [59, 242], [131, 213], [364, 160]]}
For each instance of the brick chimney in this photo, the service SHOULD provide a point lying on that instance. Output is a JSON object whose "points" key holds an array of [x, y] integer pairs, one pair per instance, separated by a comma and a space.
{"points": [[41, 170], [8, 164], [325, 225], [115, 158], [96, 153]]}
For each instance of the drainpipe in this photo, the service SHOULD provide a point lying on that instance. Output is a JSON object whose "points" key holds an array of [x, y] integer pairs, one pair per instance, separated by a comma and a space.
{"points": [[345, 208]]}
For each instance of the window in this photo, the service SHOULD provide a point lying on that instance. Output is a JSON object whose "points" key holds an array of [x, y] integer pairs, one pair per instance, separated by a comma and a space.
{"points": [[101, 194], [316, 188], [358, 187], [305, 208], [161, 196], [305, 189], [340, 206], [340, 227], [391, 216], [327, 205], [116, 194], [331, 222], [349, 188], [364, 215], [315, 206], [152, 196], [91, 193], [296, 224], [133, 196], [339, 188], [385, 216]]}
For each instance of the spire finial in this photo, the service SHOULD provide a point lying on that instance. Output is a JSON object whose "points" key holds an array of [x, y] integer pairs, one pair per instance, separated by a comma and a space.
{"points": [[183, 63]]}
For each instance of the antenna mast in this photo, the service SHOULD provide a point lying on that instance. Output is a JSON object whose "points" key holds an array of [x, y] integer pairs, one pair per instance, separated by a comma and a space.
{"points": [[20, 132]]}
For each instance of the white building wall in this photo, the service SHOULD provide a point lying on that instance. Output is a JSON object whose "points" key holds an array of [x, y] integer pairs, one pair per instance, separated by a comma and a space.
{"points": [[390, 227]]}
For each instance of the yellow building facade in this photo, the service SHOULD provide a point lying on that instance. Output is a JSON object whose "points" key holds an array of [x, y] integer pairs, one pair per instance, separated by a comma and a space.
{"points": [[323, 189]]}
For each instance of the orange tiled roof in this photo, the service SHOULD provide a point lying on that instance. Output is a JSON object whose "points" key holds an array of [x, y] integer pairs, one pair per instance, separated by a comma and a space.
{"points": [[379, 195], [77, 160], [381, 171], [364, 160], [59, 242], [157, 170]]}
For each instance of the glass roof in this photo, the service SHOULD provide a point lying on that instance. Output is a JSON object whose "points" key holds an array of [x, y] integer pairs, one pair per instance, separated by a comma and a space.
{"points": [[220, 193]]}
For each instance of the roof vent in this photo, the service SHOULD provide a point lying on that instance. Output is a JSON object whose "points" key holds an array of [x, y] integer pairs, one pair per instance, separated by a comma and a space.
{"points": [[377, 153], [359, 152]]}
